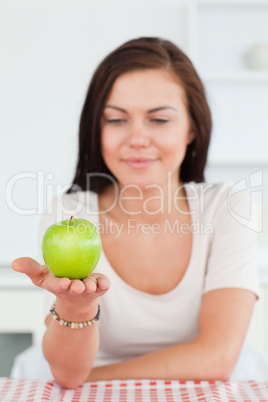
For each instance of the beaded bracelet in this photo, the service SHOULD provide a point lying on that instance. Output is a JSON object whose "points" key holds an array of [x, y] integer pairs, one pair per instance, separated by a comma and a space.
{"points": [[74, 325]]}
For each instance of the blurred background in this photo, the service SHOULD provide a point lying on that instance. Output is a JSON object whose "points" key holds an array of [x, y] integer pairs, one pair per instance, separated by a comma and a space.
{"points": [[49, 50]]}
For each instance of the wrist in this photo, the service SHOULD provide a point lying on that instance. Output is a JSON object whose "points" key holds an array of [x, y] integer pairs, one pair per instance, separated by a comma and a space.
{"points": [[75, 312], [73, 324]]}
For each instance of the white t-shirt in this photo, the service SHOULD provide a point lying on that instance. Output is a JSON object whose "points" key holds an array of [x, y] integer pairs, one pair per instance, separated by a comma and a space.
{"points": [[133, 322]]}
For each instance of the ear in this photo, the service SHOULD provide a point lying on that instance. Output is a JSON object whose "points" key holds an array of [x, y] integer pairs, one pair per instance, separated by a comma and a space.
{"points": [[191, 137]]}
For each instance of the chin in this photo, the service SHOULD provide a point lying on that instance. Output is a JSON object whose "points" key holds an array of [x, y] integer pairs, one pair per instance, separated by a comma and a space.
{"points": [[142, 183]]}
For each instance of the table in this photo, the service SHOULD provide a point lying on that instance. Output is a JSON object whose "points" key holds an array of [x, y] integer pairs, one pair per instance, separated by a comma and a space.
{"points": [[13, 390]]}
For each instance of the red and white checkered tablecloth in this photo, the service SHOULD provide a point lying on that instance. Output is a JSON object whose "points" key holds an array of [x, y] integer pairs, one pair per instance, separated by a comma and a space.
{"points": [[22, 390]]}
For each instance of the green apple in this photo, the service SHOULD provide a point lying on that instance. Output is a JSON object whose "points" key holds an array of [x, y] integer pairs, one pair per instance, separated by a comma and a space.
{"points": [[71, 248]]}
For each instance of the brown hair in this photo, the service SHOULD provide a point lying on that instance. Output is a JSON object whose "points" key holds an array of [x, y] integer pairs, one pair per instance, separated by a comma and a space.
{"points": [[140, 54]]}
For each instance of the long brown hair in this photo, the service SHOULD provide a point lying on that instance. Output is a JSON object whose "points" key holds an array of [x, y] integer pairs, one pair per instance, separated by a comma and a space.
{"points": [[139, 54]]}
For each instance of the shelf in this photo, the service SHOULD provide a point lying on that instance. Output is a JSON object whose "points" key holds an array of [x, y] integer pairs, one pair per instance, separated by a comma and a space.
{"points": [[236, 76], [254, 3]]}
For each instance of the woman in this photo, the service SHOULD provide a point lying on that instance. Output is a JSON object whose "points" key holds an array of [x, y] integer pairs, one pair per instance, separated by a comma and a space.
{"points": [[182, 269]]}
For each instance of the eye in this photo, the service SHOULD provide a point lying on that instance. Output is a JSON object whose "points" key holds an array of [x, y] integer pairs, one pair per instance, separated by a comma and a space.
{"points": [[160, 121], [115, 121]]}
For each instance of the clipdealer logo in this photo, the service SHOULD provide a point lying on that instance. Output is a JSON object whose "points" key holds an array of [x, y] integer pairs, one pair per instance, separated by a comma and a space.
{"points": [[133, 226], [252, 216]]}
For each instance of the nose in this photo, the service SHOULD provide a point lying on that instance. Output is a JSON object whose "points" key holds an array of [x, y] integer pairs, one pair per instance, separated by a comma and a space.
{"points": [[139, 136]]}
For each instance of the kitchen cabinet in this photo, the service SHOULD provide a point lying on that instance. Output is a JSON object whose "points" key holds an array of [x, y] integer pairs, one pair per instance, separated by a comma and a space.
{"points": [[21, 316], [21, 305]]}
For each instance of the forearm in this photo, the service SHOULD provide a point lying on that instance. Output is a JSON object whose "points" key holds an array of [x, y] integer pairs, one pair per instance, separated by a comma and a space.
{"points": [[71, 352], [189, 361], [224, 319]]}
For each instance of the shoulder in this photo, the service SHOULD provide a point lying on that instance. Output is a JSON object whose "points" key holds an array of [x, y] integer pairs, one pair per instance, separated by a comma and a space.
{"points": [[224, 203], [218, 194], [211, 191]]}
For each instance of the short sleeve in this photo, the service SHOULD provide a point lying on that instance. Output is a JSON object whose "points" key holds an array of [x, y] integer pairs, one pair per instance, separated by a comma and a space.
{"points": [[232, 258]]}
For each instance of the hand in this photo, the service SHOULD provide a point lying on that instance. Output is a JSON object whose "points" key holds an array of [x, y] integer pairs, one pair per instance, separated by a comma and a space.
{"points": [[74, 290]]}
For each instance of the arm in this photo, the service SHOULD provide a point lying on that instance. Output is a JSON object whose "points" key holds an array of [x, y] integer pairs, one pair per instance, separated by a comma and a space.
{"points": [[70, 352], [224, 318]]}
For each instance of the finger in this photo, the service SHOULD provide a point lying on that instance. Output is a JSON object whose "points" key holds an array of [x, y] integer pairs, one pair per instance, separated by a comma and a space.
{"points": [[40, 275], [58, 285], [103, 282], [31, 268], [90, 284], [77, 286]]}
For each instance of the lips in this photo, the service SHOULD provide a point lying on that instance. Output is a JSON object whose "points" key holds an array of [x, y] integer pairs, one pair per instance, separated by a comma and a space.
{"points": [[139, 163]]}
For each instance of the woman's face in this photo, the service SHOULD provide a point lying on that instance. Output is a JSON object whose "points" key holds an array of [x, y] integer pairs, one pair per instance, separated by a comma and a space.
{"points": [[145, 128]]}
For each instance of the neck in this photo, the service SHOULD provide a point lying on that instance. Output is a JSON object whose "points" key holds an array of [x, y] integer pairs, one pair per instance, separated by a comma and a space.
{"points": [[148, 204]]}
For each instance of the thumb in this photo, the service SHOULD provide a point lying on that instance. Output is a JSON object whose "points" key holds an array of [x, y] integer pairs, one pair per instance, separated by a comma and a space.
{"points": [[31, 268]]}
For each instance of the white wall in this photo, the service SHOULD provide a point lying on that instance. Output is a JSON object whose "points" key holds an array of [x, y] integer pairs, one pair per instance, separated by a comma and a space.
{"points": [[49, 50]]}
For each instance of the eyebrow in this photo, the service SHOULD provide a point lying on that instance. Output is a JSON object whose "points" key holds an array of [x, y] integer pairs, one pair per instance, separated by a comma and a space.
{"points": [[149, 111]]}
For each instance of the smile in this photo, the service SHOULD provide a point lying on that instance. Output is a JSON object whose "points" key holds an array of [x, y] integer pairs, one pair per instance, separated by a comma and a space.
{"points": [[139, 163]]}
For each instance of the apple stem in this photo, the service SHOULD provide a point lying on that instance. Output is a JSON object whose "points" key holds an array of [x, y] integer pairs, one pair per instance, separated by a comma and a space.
{"points": [[70, 220]]}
